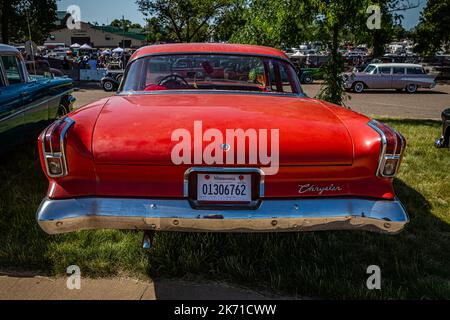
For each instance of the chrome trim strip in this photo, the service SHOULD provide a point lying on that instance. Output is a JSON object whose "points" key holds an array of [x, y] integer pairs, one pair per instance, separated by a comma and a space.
{"points": [[36, 105], [235, 92], [224, 171], [63, 216], [373, 125]]}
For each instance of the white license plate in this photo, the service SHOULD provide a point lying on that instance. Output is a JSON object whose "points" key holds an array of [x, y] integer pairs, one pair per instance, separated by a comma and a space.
{"points": [[224, 188]]}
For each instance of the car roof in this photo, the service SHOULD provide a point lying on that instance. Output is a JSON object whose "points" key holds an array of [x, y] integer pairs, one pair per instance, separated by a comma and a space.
{"points": [[398, 65], [7, 49], [208, 48]]}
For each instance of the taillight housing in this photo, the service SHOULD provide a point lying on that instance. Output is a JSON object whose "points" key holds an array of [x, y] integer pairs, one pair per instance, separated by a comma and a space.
{"points": [[393, 146], [53, 147]]}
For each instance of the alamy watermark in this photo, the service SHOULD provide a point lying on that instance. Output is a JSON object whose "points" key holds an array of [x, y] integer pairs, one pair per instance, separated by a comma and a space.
{"points": [[374, 20], [74, 280], [74, 20], [374, 281], [229, 147]]}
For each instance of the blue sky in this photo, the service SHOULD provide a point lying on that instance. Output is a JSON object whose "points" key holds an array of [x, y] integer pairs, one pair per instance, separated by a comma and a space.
{"points": [[104, 11]]}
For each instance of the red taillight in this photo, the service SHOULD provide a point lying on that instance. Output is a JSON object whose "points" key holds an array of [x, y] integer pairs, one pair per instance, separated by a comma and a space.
{"points": [[53, 147], [393, 147]]}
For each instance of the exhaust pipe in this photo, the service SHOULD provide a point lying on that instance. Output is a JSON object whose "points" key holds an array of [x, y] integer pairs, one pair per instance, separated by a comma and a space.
{"points": [[147, 241]]}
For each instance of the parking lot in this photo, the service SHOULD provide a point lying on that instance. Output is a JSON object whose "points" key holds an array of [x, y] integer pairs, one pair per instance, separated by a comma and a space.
{"points": [[425, 104]]}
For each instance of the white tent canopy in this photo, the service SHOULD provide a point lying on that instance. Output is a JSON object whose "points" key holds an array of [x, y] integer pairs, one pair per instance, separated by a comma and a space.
{"points": [[75, 46], [85, 46], [118, 50]]}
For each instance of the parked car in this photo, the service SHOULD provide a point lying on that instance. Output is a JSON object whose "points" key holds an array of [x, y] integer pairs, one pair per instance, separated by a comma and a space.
{"points": [[111, 81], [444, 141], [308, 75], [27, 104], [175, 153], [41, 68], [399, 76]]}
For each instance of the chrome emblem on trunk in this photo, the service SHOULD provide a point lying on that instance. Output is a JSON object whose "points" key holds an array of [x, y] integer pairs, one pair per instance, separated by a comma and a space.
{"points": [[225, 147]]}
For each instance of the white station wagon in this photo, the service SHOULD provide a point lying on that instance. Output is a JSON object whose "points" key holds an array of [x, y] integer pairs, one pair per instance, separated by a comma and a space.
{"points": [[399, 76]]}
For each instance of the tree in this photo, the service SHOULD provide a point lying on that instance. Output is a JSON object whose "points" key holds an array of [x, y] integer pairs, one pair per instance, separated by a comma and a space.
{"points": [[18, 15], [276, 23], [187, 20], [433, 32], [391, 28], [335, 18], [125, 24], [156, 32]]}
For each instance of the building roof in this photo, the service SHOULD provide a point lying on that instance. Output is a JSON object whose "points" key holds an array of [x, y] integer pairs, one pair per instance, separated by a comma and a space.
{"points": [[8, 49], [208, 48], [119, 31]]}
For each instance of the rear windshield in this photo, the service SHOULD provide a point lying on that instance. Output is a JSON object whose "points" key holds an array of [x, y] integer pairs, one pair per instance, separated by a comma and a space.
{"points": [[211, 72]]}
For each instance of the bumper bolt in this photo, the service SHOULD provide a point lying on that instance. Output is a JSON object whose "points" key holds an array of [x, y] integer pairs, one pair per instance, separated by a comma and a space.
{"points": [[387, 225], [274, 223], [59, 224], [176, 222]]}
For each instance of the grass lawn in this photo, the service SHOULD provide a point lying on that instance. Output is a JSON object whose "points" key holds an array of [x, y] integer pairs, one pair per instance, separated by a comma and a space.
{"points": [[414, 264]]}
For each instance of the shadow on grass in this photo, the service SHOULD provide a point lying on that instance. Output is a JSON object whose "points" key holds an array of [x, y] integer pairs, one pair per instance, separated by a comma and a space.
{"points": [[414, 264]]}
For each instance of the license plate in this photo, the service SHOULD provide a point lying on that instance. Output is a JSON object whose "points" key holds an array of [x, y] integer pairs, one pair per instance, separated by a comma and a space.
{"points": [[224, 188]]}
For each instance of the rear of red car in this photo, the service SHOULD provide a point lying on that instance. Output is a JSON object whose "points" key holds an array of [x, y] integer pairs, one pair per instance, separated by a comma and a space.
{"points": [[193, 153]]}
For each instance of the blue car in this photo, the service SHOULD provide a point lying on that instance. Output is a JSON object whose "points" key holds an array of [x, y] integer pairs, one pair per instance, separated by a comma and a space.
{"points": [[28, 104]]}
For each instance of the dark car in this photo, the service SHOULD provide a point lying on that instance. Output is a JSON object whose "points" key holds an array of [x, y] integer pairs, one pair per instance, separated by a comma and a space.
{"points": [[41, 68], [111, 81], [28, 104], [444, 141]]}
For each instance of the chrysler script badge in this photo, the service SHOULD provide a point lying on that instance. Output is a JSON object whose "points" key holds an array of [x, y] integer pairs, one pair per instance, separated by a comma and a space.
{"points": [[311, 188]]}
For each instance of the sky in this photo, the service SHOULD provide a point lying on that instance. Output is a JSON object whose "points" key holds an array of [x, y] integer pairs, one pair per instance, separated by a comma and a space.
{"points": [[104, 11]]}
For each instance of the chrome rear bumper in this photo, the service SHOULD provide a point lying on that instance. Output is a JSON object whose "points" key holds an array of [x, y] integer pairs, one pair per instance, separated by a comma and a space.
{"points": [[63, 216]]}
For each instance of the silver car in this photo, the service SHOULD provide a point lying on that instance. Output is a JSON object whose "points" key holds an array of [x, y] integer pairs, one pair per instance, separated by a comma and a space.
{"points": [[399, 76]]}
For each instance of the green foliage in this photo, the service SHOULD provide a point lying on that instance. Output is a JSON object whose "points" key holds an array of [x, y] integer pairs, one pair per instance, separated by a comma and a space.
{"points": [[125, 24], [433, 32], [276, 23], [16, 14], [187, 20]]}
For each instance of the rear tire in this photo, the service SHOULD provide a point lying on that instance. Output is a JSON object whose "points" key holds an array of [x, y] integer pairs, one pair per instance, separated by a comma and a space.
{"points": [[411, 88], [108, 86], [308, 80], [358, 87]]}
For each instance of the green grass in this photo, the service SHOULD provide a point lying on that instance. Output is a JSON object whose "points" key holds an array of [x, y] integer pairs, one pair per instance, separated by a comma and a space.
{"points": [[414, 264]]}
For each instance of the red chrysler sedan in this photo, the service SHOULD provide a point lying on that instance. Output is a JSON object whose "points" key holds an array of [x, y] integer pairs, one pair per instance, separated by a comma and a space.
{"points": [[218, 138]]}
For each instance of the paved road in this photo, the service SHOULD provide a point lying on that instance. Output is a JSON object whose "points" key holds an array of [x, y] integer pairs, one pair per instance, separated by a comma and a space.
{"points": [[426, 104], [42, 288]]}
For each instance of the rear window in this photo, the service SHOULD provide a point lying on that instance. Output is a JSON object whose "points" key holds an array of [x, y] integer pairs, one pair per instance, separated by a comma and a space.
{"points": [[211, 72]]}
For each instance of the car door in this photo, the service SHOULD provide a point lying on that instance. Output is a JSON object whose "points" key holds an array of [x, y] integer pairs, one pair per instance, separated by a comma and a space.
{"points": [[398, 78], [12, 130], [385, 77]]}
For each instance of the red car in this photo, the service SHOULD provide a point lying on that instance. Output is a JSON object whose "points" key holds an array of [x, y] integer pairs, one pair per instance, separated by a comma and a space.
{"points": [[231, 146]]}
